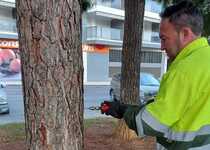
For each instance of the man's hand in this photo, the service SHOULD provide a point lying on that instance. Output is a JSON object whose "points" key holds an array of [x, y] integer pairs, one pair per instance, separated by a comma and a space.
{"points": [[116, 109]]}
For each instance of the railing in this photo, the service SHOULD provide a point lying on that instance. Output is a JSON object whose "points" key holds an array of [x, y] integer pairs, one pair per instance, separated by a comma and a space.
{"points": [[105, 33], [146, 56], [10, 1], [115, 55], [153, 6], [8, 26], [118, 4], [151, 56], [155, 37]]}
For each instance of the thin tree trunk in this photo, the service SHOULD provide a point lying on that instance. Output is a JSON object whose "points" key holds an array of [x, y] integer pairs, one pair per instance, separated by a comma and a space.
{"points": [[130, 71], [134, 18], [52, 73]]}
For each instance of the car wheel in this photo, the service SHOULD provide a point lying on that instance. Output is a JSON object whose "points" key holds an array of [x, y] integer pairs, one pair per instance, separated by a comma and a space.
{"points": [[6, 112]]}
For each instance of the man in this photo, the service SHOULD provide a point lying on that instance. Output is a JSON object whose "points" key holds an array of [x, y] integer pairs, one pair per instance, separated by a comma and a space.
{"points": [[179, 117]]}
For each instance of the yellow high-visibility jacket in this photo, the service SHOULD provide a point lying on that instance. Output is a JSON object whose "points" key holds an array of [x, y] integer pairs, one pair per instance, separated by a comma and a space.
{"points": [[180, 115]]}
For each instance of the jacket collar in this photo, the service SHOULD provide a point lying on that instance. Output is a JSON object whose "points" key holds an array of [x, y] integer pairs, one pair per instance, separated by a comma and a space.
{"points": [[190, 48]]}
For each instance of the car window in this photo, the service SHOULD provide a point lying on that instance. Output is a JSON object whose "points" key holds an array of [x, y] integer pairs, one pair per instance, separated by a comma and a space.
{"points": [[148, 80]]}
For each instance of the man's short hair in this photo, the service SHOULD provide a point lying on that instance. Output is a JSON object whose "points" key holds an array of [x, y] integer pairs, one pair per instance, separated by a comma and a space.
{"points": [[184, 14]]}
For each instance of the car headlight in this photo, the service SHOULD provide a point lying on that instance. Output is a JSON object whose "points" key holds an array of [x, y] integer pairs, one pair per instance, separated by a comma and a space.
{"points": [[2, 85]]}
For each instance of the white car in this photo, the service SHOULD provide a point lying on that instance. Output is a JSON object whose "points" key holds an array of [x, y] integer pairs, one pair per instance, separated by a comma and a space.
{"points": [[4, 107], [149, 86]]}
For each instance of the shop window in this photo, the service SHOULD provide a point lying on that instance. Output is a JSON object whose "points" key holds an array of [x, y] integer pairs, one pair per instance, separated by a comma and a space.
{"points": [[9, 58]]}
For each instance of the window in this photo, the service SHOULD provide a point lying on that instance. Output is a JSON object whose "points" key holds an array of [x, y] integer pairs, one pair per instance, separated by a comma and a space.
{"points": [[146, 56], [115, 55], [151, 57], [155, 33]]}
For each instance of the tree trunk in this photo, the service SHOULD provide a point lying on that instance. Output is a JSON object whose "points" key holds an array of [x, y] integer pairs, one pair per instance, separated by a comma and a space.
{"points": [[52, 73], [133, 27], [130, 71]]}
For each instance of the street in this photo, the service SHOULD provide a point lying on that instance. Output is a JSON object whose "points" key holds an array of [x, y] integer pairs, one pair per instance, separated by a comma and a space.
{"points": [[93, 96]]}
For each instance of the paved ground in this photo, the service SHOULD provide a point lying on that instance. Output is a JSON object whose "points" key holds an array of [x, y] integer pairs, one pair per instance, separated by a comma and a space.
{"points": [[93, 96], [15, 101]]}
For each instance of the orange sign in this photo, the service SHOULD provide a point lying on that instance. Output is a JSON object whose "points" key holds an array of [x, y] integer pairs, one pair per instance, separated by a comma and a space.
{"points": [[5, 43], [95, 48]]}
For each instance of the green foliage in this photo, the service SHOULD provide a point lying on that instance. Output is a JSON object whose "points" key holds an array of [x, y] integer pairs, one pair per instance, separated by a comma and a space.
{"points": [[85, 5], [12, 132], [204, 5], [16, 131], [165, 2], [90, 122]]}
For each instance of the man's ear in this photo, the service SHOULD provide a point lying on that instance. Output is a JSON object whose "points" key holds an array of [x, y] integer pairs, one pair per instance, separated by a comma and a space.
{"points": [[185, 32], [187, 35]]}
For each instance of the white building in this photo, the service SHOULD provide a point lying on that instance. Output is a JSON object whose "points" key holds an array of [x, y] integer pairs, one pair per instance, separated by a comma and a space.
{"points": [[103, 35], [7, 19], [102, 38]]}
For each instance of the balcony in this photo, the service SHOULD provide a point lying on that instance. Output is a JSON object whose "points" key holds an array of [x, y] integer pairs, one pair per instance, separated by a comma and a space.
{"points": [[103, 35], [151, 40], [117, 4], [155, 37], [114, 37], [7, 3], [107, 9], [153, 6], [114, 9]]}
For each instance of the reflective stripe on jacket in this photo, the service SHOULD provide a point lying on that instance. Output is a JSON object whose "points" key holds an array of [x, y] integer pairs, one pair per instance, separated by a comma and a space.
{"points": [[180, 115]]}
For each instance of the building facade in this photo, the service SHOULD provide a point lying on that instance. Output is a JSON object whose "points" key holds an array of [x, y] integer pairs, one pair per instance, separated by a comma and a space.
{"points": [[8, 28], [103, 38], [9, 47], [102, 35]]}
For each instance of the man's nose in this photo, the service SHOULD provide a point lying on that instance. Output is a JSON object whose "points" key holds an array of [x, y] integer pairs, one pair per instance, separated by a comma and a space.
{"points": [[162, 47]]}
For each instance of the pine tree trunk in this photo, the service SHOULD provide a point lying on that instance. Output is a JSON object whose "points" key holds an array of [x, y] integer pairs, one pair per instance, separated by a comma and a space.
{"points": [[52, 73], [130, 71], [133, 27]]}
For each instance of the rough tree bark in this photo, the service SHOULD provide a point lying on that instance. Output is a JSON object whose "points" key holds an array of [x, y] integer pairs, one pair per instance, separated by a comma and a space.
{"points": [[130, 71], [52, 73]]}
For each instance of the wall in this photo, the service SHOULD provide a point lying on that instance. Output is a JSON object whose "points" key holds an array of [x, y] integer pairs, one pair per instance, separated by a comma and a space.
{"points": [[5, 12], [97, 67]]}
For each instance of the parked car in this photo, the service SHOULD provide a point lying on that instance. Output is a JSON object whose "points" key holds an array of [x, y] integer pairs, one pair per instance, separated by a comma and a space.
{"points": [[149, 86], [4, 107]]}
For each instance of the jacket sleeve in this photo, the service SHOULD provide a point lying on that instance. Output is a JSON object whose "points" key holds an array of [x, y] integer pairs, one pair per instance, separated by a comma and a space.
{"points": [[130, 117], [157, 118]]}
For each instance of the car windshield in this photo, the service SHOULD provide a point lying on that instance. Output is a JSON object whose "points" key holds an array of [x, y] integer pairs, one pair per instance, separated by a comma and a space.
{"points": [[148, 80]]}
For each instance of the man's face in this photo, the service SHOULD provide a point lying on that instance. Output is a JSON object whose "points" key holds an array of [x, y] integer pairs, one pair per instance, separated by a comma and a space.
{"points": [[170, 39]]}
